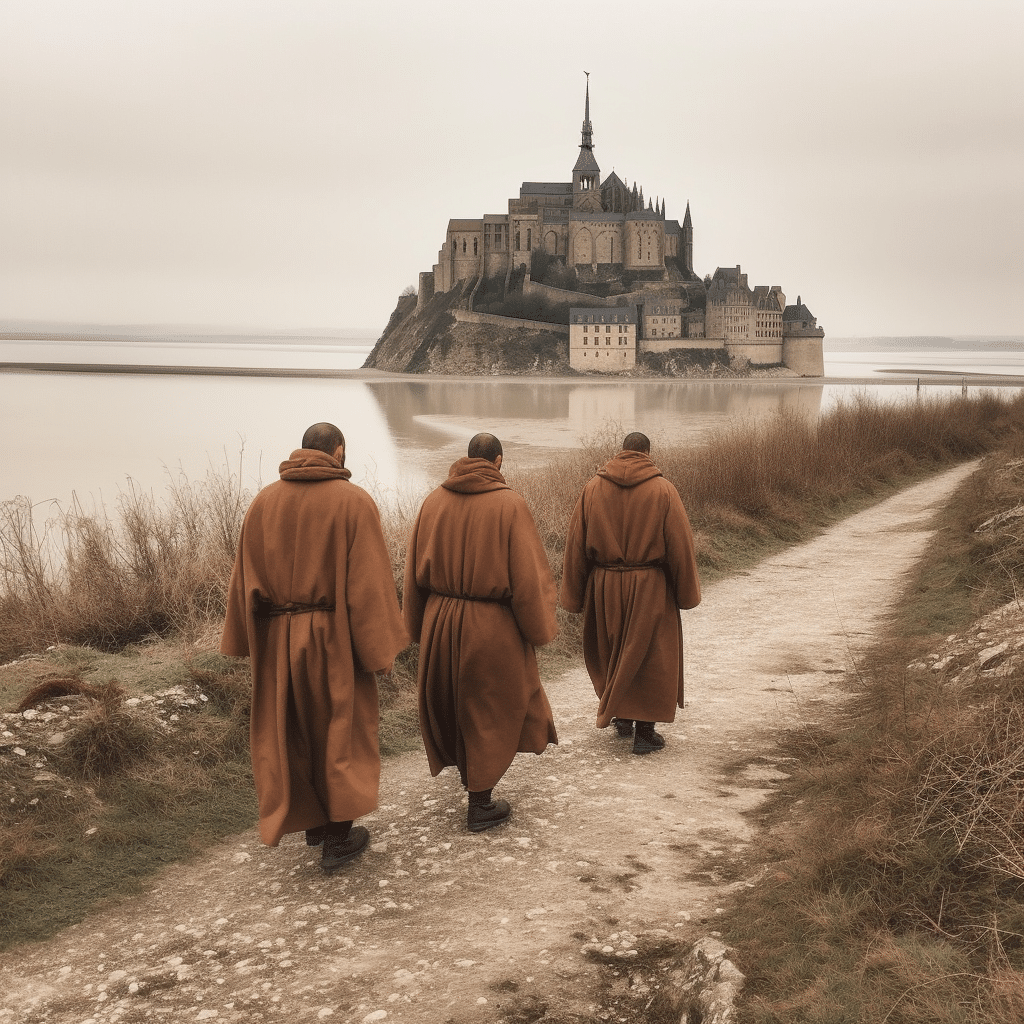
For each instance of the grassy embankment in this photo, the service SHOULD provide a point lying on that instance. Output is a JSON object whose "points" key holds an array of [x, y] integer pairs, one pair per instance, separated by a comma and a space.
{"points": [[893, 886], [125, 787]]}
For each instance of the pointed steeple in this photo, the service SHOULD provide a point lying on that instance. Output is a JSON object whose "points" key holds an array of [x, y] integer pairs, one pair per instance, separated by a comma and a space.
{"points": [[588, 128], [586, 175], [687, 241]]}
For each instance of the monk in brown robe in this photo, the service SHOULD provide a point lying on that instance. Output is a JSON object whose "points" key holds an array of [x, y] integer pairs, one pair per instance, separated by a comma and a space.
{"points": [[629, 565], [480, 597], [313, 602]]}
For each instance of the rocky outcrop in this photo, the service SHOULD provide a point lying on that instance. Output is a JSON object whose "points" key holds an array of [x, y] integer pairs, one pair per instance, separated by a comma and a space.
{"points": [[432, 340]]}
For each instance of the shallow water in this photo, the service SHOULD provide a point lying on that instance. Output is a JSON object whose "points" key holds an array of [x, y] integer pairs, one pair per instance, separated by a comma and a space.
{"points": [[94, 435]]}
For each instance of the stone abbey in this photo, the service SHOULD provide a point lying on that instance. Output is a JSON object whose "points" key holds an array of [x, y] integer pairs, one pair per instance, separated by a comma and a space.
{"points": [[625, 273]]}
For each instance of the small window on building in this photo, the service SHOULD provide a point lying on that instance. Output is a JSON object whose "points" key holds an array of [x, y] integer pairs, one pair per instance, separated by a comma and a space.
{"points": [[475, 253]]}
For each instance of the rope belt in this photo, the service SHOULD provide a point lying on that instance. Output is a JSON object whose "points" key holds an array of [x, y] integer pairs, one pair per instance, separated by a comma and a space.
{"points": [[625, 567], [506, 601], [266, 610]]}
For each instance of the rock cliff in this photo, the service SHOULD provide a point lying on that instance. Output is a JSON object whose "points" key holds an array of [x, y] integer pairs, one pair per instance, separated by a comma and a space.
{"points": [[431, 340]]}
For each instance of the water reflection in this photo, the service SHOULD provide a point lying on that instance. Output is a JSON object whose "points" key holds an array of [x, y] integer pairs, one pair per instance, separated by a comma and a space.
{"points": [[430, 422], [88, 433]]}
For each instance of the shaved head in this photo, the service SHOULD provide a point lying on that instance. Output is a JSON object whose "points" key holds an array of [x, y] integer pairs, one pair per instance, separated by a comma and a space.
{"points": [[323, 437], [637, 442], [485, 446]]}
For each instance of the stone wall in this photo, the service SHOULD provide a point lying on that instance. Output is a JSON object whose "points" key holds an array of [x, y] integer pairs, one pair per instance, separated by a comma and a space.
{"points": [[804, 355], [465, 316], [670, 344], [767, 353]]}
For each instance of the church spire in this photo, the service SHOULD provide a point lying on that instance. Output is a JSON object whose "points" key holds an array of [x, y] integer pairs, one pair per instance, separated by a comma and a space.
{"points": [[586, 175], [588, 128]]}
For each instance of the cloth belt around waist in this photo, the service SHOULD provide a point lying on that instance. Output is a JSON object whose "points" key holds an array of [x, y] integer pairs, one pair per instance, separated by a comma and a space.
{"points": [[266, 610], [629, 567], [504, 601]]}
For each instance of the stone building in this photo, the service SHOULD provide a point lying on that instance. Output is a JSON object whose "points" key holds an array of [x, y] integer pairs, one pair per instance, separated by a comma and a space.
{"points": [[603, 228], [602, 339], [622, 248]]}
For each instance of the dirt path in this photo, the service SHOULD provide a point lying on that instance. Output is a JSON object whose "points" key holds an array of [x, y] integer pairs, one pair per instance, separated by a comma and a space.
{"points": [[570, 912]]}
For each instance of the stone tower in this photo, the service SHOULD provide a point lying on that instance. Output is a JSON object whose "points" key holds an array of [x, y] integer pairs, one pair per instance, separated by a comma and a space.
{"points": [[586, 175]]}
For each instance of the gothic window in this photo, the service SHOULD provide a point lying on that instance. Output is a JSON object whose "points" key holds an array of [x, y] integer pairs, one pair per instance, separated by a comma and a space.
{"points": [[529, 238], [463, 247], [474, 247], [517, 240]]}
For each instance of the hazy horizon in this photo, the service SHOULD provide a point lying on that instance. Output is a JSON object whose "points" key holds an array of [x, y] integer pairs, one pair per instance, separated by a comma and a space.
{"points": [[293, 165]]}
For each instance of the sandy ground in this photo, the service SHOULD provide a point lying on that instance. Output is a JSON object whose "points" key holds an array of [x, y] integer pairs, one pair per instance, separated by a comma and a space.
{"points": [[575, 910]]}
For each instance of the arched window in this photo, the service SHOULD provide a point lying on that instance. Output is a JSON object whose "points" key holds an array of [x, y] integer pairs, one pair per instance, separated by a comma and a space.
{"points": [[517, 239], [474, 247], [529, 239], [463, 246]]}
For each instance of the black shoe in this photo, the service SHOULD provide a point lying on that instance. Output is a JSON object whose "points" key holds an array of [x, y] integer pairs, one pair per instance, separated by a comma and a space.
{"points": [[647, 740], [315, 836], [481, 817], [338, 850], [623, 727]]}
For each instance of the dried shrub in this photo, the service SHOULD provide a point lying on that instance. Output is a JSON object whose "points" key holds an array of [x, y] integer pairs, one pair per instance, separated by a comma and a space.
{"points": [[108, 738]]}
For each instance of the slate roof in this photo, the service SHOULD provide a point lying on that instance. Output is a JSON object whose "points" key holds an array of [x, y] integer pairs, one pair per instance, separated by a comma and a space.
{"points": [[797, 312], [603, 314], [586, 161], [545, 188], [603, 218]]}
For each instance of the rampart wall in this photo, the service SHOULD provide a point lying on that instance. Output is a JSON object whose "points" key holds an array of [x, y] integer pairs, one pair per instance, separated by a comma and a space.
{"points": [[465, 316]]}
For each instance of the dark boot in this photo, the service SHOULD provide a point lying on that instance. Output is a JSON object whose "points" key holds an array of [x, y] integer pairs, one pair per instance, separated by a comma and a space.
{"points": [[315, 836], [485, 813], [623, 727], [647, 740], [341, 843]]}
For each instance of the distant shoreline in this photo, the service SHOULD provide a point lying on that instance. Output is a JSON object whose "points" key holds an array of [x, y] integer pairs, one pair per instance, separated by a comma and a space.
{"points": [[893, 376]]}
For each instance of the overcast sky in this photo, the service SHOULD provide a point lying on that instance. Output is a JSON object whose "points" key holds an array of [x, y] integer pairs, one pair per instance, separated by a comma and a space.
{"points": [[294, 163]]}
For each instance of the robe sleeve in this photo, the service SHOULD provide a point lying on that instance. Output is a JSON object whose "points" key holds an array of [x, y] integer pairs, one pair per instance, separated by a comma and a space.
{"points": [[235, 638], [680, 556], [375, 620], [533, 587], [575, 566], [414, 597]]}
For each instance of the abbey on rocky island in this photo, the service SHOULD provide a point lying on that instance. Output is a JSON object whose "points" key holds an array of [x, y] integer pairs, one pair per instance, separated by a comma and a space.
{"points": [[618, 261]]}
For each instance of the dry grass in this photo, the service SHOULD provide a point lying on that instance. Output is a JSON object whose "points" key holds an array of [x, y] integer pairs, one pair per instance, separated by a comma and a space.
{"points": [[104, 581], [107, 580], [129, 786], [897, 892]]}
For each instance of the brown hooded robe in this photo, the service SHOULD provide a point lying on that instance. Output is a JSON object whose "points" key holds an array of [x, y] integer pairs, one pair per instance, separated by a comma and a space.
{"points": [[629, 565], [479, 596], [313, 539]]}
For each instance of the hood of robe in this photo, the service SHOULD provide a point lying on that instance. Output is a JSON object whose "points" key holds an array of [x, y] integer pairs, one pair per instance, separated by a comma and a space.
{"points": [[310, 464], [473, 476], [628, 469]]}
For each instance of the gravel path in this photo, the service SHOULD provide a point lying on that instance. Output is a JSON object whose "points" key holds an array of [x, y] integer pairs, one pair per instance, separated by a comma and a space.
{"points": [[611, 866]]}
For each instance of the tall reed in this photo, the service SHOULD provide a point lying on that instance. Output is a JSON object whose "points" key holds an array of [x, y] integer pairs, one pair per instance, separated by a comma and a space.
{"points": [[106, 579]]}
